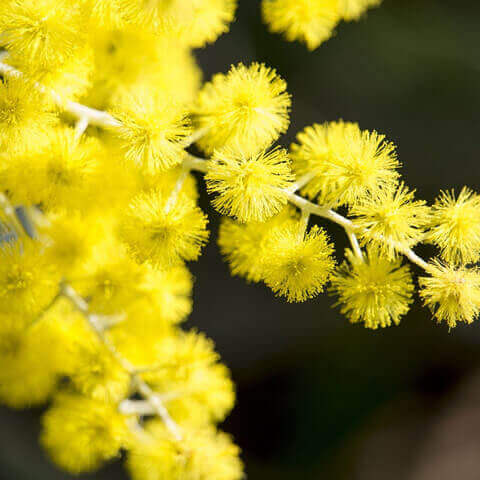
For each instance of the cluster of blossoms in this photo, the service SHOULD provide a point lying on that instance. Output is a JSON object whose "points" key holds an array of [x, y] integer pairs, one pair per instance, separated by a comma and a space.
{"points": [[93, 276]]}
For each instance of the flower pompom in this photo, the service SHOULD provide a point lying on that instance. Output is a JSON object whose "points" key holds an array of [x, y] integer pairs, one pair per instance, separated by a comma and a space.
{"points": [[373, 290], [23, 117], [28, 281], [43, 33], [346, 163], [28, 355], [81, 433], [310, 21], [249, 188], [68, 239], [187, 369], [153, 130], [68, 169], [391, 220], [95, 372], [194, 22], [111, 279], [163, 230], [297, 265], [70, 80], [169, 291], [243, 244], [451, 292], [203, 453], [354, 9], [455, 226], [248, 107]]}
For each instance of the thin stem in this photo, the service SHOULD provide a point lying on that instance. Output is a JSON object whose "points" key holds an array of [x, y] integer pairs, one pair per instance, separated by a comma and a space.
{"points": [[348, 225], [80, 127], [195, 136], [301, 182], [177, 188], [355, 245], [46, 309], [304, 219], [414, 258], [94, 117], [194, 163]]}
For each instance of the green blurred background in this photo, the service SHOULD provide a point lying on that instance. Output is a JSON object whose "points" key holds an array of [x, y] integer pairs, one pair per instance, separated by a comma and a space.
{"points": [[319, 398]]}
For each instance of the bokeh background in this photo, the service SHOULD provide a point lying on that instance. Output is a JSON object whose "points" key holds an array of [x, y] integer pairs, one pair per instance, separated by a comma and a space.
{"points": [[319, 398]]}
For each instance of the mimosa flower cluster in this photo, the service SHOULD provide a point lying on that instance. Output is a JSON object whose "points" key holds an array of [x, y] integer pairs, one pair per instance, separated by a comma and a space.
{"points": [[99, 104]]}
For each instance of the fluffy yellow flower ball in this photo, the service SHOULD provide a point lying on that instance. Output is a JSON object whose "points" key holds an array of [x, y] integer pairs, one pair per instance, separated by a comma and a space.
{"points": [[46, 32], [455, 226], [346, 163], [354, 9], [29, 372], [373, 290], [247, 107], [23, 115], [249, 187], [310, 21], [202, 454], [196, 387], [451, 292], [391, 220], [81, 433], [243, 244], [297, 265], [28, 281], [164, 231], [153, 130]]}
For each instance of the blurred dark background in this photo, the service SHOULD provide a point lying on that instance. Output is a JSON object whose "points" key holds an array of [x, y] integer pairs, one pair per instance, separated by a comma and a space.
{"points": [[319, 398]]}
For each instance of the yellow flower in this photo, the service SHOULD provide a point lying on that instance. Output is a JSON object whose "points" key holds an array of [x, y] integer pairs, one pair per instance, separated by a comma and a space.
{"points": [[111, 279], [246, 108], [110, 13], [70, 80], [346, 163], [68, 169], [297, 265], [69, 239], [43, 32], [95, 372], [153, 130], [196, 387], [242, 244], [170, 292], [23, 118], [128, 62], [354, 9], [29, 362], [373, 290], [81, 433], [310, 21], [451, 292], [195, 22], [203, 453], [164, 231], [391, 220], [28, 281], [455, 226], [249, 187]]}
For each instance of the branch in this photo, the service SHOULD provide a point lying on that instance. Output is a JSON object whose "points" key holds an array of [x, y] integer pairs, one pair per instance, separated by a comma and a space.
{"points": [[141, 386]]}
